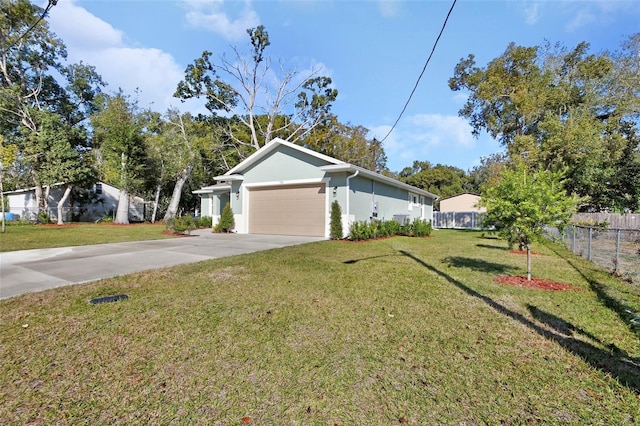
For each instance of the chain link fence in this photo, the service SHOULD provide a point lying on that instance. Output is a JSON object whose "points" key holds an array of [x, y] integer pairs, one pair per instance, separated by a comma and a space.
{"points": [[617, 250]]}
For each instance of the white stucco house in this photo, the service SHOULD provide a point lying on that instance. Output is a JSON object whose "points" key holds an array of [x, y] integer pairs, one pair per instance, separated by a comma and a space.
{"points": [[85, 205], [287, 189]]}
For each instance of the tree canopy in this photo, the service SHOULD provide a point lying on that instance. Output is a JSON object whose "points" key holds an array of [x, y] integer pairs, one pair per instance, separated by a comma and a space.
{"points": [[241, 85], [44, 102], [563, 109], [522, 204], [444, 181]]}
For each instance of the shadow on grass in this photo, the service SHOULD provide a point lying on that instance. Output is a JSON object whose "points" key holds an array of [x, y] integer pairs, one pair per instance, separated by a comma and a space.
{"points": [[624, 311], [479, 265], [353, 261], [489, 246], [613, 361]]}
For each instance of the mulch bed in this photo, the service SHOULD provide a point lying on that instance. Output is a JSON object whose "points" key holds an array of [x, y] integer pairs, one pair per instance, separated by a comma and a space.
{"points": [[535, 283], [533, 253]]}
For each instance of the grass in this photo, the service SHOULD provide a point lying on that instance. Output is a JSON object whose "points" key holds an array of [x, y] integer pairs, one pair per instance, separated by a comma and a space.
{"points": [[401, 330], [26, 236]]}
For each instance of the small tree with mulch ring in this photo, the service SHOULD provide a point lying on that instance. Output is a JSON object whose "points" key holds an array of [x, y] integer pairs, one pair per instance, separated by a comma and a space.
{"points": [[523, 203]]}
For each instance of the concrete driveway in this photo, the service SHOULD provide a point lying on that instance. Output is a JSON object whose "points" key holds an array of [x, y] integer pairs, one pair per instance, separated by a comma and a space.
{"points": [[35, 270]]}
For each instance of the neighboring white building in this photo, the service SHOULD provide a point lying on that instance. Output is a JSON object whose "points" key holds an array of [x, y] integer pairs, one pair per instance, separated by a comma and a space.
{"points": [[84, 205]]}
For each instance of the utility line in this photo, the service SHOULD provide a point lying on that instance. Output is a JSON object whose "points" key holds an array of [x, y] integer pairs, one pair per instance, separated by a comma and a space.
{"points": [[444, 24], [50, 4]]}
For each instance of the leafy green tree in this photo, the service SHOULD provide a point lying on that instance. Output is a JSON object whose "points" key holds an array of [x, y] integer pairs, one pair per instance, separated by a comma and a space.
{"points": [[59, 155], [120, 149], [524, 203], [445, 181], [240, 85], [346, 142], [561, 109], [487, 173], [8, 155], [37, 88]]}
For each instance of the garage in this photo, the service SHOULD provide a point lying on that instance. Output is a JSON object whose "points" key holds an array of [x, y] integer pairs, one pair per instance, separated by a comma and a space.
{"points": [[288, 210]]}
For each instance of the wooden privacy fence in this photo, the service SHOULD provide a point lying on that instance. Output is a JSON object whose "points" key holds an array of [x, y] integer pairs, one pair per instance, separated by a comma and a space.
{"points": [[614, 220]]}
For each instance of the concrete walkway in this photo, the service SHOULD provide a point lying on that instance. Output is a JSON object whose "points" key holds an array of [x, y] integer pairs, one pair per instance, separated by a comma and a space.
{"points": [[28, 271]]}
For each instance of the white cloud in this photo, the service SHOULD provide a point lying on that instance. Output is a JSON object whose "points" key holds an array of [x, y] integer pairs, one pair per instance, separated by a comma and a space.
{"points": [[443, 129], [422, 136], [389, 8], [152, 72], [210, 16], [582, 18], [532, 13]]}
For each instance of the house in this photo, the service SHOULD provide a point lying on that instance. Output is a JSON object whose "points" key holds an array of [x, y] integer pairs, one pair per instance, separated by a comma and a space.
{"points": [[84, 205], [461, 211], [462, 203], [287, 189]]}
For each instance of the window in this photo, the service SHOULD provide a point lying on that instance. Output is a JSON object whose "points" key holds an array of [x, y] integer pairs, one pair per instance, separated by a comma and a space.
{"points": [[98, 188], [414, 200]]}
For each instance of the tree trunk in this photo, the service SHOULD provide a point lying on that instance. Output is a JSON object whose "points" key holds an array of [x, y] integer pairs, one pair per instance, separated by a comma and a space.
{"points": [[39, 199], [528, 262], [172, 210], [122, 213], [158, 189], [65, 196], [155, 203]]}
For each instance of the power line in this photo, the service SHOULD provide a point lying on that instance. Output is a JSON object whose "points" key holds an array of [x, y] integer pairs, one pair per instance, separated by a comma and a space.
{"points": [[50, 4], [444, 24]]}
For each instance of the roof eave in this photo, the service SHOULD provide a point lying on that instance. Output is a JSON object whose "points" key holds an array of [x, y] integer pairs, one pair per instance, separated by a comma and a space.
{"points": [[377, 176]]}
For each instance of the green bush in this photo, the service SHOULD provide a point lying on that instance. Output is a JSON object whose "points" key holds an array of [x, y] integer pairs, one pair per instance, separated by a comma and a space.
{"points": [[421, 228], [335, 232], [362, 230], [359, 231], [44, 217], [180, 225], [227, 222], [204, 222]]}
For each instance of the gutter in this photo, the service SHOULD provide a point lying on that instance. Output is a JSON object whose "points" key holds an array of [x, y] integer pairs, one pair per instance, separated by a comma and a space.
{"points": [[349, 190]]}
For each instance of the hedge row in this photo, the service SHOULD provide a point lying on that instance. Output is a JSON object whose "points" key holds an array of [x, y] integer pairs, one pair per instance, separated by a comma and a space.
{"points": [[363, 230]]}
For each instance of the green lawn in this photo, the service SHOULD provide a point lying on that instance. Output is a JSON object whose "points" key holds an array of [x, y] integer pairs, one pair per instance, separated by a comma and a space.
{"points": [[24, 237], [400, 330]]}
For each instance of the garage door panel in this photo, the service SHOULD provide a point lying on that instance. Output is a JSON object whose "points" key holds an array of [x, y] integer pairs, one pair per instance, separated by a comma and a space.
{"points": [[287, 210]]}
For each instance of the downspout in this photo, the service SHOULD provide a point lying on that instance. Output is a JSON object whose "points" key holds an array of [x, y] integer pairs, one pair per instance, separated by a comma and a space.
{"points": [[348, 192]]}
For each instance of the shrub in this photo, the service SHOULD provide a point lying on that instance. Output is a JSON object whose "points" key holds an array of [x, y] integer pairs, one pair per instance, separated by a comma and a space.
{"points": [[335, 232], [44, 217], [227, 222], [421, 228], [204, 222], [359, 231], [180, 225]]}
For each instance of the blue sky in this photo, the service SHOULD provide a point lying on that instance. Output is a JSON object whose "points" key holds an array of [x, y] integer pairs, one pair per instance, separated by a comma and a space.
{"points": [[372, 50]]}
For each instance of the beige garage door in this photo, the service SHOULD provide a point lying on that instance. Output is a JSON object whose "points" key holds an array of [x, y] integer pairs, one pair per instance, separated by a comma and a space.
{"points": [[288, 210]]}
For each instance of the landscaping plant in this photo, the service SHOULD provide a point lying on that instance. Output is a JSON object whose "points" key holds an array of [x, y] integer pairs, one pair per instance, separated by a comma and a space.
{"points": [[226, 222], [522, 204], [336, 221]]}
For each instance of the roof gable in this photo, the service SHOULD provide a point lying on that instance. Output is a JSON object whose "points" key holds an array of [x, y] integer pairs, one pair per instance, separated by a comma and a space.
{"points": [[332, 165], [272, 146]]}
